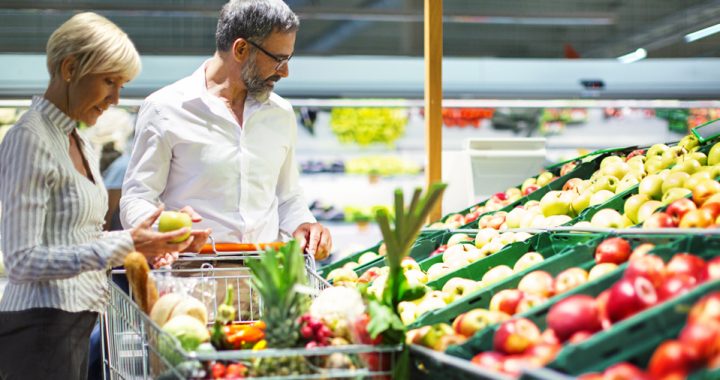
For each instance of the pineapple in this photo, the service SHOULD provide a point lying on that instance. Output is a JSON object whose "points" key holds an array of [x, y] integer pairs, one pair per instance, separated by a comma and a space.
{"points": [[274, 276]]}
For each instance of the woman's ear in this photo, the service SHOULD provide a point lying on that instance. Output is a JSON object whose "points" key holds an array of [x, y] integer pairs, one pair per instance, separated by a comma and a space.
{"points": [[67, 68]]}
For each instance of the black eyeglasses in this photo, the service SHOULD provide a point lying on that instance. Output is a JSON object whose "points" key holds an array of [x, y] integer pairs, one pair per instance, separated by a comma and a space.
{"points": [[280, 61]]}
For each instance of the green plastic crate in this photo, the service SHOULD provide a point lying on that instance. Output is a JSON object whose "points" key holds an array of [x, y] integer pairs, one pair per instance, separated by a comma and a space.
{"points": [[419, 251], [549, 245], [426, 364], [594, 155], [324, 270], [581, 256]]}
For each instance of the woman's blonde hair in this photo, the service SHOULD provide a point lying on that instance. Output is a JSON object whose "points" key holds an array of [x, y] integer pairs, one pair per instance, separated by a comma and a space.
{"points": [[98, 45]]}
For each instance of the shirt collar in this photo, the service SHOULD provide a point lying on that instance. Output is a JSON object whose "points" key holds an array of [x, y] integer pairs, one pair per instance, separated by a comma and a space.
{"points": [[56, 116], [200, 87]]}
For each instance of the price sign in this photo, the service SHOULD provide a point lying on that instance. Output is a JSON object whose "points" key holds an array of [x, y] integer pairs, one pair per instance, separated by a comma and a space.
{"points": [[707, 131]]}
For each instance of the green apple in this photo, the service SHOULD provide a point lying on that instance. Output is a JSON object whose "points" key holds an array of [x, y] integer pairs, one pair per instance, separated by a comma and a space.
{"points": [[610, 160], [627, 223], [514, 217], [714, 155], [699, 156], [656, 150], [696, 178], [457, 239], [556, 203], [544, 178], [674, 194], [557, 220], [657, 163], [689, 166], [637, 168], [351, 265], [484, 235], [626, 182], [528, 260], [604, 182], [496, 274], [581, 202], [367, 257], [673, 154], [342, 275], [673, 180], [601, 197], [415, 277], [689, 142], [651, 186], [632, 206], [174, 220], [607, 218], [582, 186], [634, 160], [616, 169], [458, 287], [647, 209], [713, 170]]}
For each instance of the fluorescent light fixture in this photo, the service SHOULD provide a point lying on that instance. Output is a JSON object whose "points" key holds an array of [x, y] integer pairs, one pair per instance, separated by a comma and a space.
{"points": [[702, 33], [633, 57]]}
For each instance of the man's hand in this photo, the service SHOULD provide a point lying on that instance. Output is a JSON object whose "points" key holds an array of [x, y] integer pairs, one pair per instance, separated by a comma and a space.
{"points": [[193, 215], [200, 236], [314, 239]]}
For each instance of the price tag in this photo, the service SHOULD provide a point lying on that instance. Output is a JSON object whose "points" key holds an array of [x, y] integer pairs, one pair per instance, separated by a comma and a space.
{"points": [[707, 131]]}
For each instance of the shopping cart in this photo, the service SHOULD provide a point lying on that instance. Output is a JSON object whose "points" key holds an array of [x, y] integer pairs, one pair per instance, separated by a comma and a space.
{"points": [[136, 348]]}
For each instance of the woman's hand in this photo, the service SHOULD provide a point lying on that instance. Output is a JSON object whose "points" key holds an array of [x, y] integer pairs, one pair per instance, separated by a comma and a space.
{"points": [[152, 243]]}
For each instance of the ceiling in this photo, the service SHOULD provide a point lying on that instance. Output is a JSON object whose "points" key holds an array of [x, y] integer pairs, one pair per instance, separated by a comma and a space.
{"points": [[472, 28]]}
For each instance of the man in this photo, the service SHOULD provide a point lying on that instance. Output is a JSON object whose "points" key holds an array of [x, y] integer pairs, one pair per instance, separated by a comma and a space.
{"points": [[221, 144]]}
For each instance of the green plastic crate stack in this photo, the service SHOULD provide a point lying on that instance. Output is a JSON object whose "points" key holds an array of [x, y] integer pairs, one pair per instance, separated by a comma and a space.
{"points": [[626, 339]]}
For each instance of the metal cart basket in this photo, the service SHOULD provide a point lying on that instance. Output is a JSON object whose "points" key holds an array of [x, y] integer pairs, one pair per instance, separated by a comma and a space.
{"points": [[136, 348]]}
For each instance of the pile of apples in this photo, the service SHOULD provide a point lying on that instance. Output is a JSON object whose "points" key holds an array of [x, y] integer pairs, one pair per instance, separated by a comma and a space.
{"points": [[462, 249], [500, 200], [700, 211], [342, 274], [698, 346], [646, 282]]}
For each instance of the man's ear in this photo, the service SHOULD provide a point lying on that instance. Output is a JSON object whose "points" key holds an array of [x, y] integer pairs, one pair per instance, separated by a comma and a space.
{"points": [[68, 68], [240, 49]]}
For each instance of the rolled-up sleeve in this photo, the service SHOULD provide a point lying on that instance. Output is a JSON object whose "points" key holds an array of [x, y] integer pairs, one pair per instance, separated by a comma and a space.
{"points": [[27, 175], [147, 172], [293, 207]]}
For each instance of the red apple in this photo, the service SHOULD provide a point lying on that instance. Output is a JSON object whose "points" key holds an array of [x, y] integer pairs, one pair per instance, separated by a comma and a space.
{"points": [[630, 296], [471, 216], [591, 376], [689, 264], [699, 340], [501, 196], [649, 266], [704, 190], [569, 279], [679, 208], [712, 269], [439, 251], [601, 302], [613, 250], [529, 301], [700, 218], [579, 337], [567, 168], [467, 324], [674, 286], [549, 337], [669, 358], [490, 360], [659, 220], [537, 282], [530, 189], [641, 250], [515, 336], [369, 275], [624, 371], [506, 300], [636, 152], [571, 183], [706, 310], [543, 353], [573, 314]]}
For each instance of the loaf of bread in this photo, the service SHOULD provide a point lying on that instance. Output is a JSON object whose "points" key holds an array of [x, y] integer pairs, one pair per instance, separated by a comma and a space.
{"points": [[143, 286]]}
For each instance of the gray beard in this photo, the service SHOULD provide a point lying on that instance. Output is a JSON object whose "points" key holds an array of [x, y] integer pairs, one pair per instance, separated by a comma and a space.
{"points": [[256, 86]]}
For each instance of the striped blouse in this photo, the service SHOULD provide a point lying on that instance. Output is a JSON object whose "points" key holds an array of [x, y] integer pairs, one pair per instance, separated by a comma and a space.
{"points": [[56, 254]]}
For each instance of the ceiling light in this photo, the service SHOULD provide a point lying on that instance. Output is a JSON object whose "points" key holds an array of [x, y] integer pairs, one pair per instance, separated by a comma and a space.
{"points": [[633, 57], [702, 33]]}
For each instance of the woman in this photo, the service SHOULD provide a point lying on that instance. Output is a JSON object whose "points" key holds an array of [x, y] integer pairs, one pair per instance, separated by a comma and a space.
{"points": [[54, 203]]}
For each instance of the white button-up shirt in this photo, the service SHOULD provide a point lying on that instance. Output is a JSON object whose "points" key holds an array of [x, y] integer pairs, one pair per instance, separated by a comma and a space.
{"points": [[190, 151], [55, 251]]}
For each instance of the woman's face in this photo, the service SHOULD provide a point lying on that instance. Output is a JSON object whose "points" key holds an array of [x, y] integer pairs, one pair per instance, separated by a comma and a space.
{"points": [[93, 94]]}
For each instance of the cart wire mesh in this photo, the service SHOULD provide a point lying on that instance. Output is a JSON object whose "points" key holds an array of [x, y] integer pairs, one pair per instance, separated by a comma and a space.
{"points": [[135, 347]]}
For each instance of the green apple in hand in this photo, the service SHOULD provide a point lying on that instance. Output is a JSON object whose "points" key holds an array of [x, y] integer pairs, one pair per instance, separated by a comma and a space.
{"points": [[174, 220]]}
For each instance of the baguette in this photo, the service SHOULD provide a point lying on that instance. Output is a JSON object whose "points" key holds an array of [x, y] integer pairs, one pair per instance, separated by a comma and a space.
{"points": [[143, 286]]}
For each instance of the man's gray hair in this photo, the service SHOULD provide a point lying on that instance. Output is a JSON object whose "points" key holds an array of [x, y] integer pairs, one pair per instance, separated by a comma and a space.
{"points": [[254, 20]]}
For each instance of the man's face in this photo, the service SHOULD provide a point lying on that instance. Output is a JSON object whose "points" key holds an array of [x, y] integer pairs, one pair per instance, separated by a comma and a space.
{"points": [[261, 71]]}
